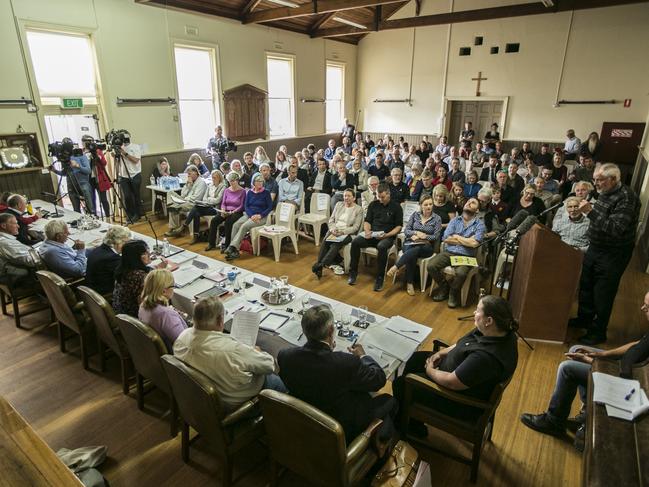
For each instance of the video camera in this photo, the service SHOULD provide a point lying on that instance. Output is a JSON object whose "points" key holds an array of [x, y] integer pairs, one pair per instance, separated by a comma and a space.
{"points": [[116, 138], [63, 150], [91, 145]]}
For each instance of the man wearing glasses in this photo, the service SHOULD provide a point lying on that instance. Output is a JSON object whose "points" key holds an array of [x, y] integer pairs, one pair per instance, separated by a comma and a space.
{"points": [[613, 220]]}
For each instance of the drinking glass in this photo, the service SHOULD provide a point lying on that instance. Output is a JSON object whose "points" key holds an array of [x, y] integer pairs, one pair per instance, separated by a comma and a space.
{"points": [[362, 314], [306, 301]]}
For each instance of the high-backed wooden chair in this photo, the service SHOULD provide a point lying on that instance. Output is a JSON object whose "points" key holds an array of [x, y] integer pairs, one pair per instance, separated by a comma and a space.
{"points": [[146, 347], [69, 312], [108, 335], [473, 431], [284, 227], [17, 290], [312, 444], [318, 214], [200, 407]]}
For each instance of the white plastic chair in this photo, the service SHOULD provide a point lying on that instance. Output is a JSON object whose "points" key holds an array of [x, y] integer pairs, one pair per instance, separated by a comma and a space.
{"points": [[285, 226], [472, 280], [318, 215]]}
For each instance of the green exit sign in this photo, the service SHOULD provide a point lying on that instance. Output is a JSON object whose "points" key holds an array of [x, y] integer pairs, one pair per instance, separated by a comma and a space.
{"points": [[72, 103]]}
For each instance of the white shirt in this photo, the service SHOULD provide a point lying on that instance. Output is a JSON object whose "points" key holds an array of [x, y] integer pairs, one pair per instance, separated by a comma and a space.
{"points": [[237, 369], [132, 150]]}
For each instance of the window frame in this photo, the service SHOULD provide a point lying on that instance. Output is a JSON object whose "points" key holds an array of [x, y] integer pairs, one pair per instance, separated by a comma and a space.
{"points": [[215, 73], [291, 58], [343, 67]]}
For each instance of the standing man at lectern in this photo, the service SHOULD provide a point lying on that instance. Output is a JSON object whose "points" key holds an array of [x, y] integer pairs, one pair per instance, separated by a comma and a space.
{"points": [[613, 220]]}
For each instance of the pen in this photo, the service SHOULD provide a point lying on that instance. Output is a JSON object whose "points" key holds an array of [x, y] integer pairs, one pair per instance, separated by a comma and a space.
{"points": [[300, 337], [409, 331], [628, 396], [354, 342]]}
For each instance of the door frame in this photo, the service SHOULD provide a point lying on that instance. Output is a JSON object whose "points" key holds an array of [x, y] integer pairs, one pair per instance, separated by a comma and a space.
{"points": [[448, 100]]}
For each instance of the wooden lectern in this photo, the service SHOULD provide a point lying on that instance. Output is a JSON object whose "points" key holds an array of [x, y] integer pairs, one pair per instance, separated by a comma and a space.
{"points": [[545, 282]]}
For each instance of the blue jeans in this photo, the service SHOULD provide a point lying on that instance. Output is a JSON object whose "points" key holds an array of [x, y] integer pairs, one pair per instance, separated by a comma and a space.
{"points": [[273, 381], [571, 376], [409, 258]]}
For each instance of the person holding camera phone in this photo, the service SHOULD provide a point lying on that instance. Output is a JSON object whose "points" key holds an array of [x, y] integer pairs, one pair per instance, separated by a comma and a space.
{"points": [[129, 175]]}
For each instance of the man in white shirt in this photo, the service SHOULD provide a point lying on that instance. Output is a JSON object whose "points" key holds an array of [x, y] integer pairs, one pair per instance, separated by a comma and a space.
{"points": [[238, 371], [16, 261], [130, 178], [572, 146]]}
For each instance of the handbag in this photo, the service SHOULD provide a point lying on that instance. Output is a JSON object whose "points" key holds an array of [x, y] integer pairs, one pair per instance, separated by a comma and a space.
{"points": [[400, 469]]}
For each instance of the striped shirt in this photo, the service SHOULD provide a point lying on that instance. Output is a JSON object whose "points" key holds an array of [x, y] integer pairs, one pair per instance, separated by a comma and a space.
{"points": [[432, 228]]}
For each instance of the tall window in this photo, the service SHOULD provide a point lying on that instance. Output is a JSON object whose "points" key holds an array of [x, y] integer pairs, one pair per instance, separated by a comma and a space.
{"points": [[197, 102], [281, 103], [335, 97], [58, 75]]}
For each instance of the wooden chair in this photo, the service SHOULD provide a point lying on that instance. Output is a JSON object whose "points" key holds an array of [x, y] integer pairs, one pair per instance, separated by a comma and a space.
{"points": [[312, 444], [317, 215], [285, 220], [69, 312], [200, 407], [146, 347], [474, 431], [102, 315], [18, 290]]}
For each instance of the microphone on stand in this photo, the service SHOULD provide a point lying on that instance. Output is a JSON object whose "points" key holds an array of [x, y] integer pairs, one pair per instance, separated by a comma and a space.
{"points": [[157, 248], [554, 207], [516, 220]]}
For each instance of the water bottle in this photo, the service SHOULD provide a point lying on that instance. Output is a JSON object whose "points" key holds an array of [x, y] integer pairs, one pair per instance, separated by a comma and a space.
{"points": [[152, 180], [166, 250]]}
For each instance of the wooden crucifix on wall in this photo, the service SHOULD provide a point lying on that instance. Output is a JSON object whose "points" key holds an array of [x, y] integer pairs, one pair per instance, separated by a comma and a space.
{"points": [[478, 79]]}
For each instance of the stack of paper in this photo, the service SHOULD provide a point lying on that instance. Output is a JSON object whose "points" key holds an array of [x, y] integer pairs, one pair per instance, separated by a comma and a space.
{"points": [[623, 398], [389, 342], [186, 275], [245, 327]]}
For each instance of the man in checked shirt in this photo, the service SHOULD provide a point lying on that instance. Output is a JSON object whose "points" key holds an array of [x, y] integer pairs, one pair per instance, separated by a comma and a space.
{"points": [[613, 220]]}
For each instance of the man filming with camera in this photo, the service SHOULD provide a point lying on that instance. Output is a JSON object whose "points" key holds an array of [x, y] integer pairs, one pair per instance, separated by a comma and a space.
{"points": [[128, 161], [218, 147], [75, 166]]}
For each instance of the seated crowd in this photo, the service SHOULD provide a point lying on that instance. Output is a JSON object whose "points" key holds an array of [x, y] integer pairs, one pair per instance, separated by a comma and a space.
{"points": [[458, 197]]}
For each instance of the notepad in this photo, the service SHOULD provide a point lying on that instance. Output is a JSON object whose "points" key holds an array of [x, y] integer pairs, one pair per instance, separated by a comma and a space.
{"points": [[457, 260], [623, 398], [186, 275]]}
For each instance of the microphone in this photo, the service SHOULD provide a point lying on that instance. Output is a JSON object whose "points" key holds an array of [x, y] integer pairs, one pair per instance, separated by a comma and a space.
{"points": [[526, 226], [517, 219], [554, 207]]}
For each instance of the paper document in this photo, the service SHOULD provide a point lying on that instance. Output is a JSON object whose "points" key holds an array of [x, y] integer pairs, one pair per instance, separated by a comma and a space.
{"points": [[245, 327], [463, 260], [332, 238], [186, 275], [216, 276], [408, 329], [624, 398], [389, 342], [176, 199], [292, 333], [273, 321], [377, 354], [284, 212], [322, 201], [275, 229], [377, 234]]}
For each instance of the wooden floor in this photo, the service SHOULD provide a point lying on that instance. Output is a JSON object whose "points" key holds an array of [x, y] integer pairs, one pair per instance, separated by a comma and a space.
{"points": [[71, 407]]}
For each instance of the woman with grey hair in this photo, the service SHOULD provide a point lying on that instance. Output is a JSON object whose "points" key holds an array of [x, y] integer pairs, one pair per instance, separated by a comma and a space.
{"points": [[231, 209], [103, 260], [257, 206], [208, 206]]}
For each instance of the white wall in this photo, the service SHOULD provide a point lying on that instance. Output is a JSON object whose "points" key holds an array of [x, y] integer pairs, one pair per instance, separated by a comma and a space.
{"points": [[606, 59], [134, 49]]}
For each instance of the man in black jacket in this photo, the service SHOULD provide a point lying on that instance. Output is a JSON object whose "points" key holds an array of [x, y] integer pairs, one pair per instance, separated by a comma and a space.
{"points": [[337, 383]]}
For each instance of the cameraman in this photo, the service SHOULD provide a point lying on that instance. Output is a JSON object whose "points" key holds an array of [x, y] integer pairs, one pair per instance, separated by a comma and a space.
{"points": [[76, 169], [129, 176], [218, 147], [99, 179]]}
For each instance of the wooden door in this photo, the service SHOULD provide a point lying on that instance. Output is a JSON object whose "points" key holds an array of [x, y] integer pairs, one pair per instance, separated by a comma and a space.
{"points": [[620, 143], [480, 113]]}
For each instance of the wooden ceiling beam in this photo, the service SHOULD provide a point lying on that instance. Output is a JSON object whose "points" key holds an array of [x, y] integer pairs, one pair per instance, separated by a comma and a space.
{"points": [[321, 21], [250, 6], [519, 10], [312, 8]]}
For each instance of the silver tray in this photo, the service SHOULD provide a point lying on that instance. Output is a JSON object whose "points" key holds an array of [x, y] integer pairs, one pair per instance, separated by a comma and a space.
{"points": [[266, 298]]}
